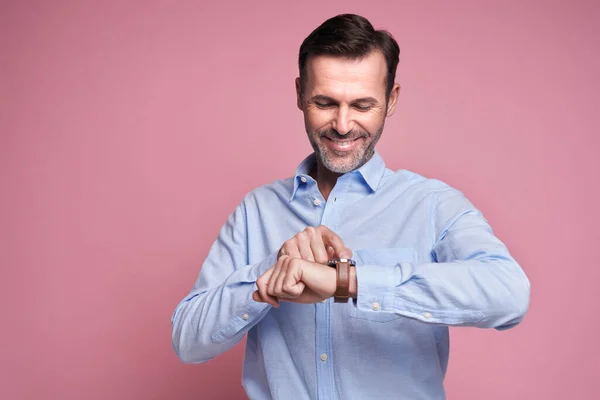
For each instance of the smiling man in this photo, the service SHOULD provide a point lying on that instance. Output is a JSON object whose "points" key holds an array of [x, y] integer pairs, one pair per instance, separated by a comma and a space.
{"points": [[346, 276]]}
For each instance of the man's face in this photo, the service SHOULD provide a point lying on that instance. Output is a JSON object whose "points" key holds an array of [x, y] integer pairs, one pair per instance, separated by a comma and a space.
{"points": [[344, 106]]}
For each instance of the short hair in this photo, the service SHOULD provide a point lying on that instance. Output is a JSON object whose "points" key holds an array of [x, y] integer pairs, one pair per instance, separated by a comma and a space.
{"points": [[350, 36]]}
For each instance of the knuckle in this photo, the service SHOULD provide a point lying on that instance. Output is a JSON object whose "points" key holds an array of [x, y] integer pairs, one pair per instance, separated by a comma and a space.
{"points": [[292, 292], [301, 235]]}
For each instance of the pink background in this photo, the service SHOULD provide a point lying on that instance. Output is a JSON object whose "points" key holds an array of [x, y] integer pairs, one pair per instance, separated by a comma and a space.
{"points": [[129, 132]]}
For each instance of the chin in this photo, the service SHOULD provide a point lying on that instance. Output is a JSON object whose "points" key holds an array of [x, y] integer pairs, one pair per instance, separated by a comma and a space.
{"points": [[341, 165]]}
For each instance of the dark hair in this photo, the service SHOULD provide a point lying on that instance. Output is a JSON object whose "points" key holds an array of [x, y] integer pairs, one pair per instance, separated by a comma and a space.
{"points": [[350, 36]]}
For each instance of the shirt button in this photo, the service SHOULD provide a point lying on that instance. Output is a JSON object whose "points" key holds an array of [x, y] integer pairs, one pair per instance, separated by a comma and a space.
{"points": [[303, 179], [375, 306], [323, 357], [427, 315], [245, 317], [317, 202], [324, 301]]}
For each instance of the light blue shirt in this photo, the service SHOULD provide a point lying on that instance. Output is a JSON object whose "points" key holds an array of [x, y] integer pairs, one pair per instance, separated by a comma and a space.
{"points": [[426, 259]]}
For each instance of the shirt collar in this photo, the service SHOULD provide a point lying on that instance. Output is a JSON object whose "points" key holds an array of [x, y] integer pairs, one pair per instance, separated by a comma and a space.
{"points": [[371, 172]]}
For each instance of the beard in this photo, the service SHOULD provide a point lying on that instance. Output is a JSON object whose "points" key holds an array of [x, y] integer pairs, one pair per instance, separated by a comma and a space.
{"points": [[342, 162]]}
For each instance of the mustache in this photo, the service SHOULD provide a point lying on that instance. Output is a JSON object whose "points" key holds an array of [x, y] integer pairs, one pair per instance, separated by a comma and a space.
{"points": [[335, 135]]}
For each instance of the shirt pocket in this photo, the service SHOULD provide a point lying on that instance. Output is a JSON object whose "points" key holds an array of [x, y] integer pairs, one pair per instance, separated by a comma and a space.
{"points": [[383, 256]]}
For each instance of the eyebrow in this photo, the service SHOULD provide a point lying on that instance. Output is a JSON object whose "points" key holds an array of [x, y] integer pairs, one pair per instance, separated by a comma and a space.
{"points": [[369, 100]]}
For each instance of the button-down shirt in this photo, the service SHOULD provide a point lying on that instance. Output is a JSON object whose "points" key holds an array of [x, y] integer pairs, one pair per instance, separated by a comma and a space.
{"points": [[426, 259]]}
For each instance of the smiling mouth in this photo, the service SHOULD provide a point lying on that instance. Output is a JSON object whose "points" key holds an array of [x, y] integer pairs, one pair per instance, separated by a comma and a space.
{"points": [[342, 145]]}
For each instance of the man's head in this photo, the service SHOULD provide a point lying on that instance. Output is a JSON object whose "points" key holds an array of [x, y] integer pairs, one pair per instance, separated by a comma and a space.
{"points": [[346, 89]]}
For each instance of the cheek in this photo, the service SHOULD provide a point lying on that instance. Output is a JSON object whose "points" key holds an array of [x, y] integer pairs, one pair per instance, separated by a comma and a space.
{"points": [[316, 120], [369, 122], [319, 119]]}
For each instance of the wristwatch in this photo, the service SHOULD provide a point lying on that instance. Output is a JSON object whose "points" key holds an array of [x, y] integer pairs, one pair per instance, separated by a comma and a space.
{"points": [[342, 287]]}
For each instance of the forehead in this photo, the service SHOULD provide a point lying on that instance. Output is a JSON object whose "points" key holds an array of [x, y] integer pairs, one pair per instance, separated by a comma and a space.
{"points": [[343, 77]]}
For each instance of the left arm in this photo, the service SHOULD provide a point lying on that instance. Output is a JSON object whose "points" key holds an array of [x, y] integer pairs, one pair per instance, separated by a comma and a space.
{"points": [[473, 280]]}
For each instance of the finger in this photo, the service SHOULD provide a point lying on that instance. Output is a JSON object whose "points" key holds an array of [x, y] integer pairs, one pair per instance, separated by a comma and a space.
{"points": [[304, 247], [273, 277], [318, 250], [330, 253], [290, 248], [292, 284], [332, 239], [262, 285], [278, 284], [257, 297], [347, 253]]}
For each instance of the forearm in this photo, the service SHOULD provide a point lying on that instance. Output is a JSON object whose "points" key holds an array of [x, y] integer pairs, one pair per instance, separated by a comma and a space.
{"points": [[487, 292], [209, 321]]}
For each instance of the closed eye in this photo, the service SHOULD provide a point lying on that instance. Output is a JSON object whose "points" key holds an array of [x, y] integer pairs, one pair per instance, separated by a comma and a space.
{"points": [[324, 105], [362, 108]]}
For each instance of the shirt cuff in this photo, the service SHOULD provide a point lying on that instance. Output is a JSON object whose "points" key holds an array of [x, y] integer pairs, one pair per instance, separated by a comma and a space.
{"points": [[241, 321], [252, 312], [376, 286]]}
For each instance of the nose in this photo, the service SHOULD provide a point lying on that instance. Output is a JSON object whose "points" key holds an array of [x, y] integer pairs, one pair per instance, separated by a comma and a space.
{"points": [[343, 122]]}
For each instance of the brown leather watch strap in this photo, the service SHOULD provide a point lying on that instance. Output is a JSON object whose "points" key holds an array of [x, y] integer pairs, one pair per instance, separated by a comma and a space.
{"points": [[342, 290]]}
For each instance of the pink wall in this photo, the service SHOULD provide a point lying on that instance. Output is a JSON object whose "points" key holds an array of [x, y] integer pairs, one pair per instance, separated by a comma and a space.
{"points": [[121, 123]]}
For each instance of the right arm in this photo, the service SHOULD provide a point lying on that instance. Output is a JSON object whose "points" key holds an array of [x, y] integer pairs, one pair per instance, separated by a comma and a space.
{"points": [[219, 310]]}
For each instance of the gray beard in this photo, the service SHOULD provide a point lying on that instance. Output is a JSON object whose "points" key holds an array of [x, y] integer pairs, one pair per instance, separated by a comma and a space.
{"points": [[358, 159]]}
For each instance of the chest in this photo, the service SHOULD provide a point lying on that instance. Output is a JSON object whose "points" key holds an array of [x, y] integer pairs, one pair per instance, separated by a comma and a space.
{"points": [[377, 221]]}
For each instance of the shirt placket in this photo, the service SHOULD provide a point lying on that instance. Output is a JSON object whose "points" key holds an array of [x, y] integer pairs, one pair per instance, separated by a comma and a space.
{"points": [[329, 212]]}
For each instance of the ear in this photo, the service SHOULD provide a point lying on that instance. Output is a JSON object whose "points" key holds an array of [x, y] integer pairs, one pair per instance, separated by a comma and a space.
{"points": [[393, 100], [299, 94]]}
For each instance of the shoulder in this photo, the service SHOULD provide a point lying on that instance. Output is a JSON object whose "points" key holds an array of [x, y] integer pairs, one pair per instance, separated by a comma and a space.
{"points": [[276, 191], [417, 185], [444, 203]]}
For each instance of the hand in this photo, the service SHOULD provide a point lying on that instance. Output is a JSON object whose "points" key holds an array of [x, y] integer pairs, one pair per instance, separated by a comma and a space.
{"points": [[315, 244], [295, 280]]}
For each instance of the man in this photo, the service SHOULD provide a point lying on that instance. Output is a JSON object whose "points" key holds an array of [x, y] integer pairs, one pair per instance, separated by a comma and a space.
{"points": [[423, 258]]}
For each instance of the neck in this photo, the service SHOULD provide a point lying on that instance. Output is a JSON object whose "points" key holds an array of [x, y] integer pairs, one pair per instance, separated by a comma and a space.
{"points": [[325, 178]]}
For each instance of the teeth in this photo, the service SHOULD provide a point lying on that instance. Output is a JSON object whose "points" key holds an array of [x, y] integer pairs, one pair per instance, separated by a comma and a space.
{"points": [[344, 143]]}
